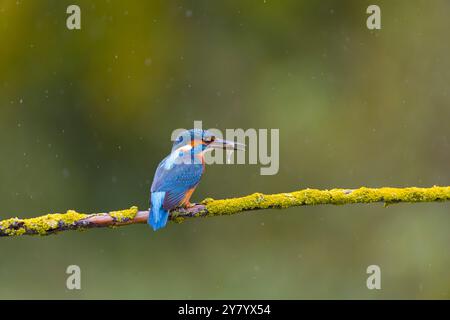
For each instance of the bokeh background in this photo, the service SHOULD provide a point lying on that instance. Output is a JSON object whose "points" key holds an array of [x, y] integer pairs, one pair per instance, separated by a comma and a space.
{"points": [[86, 116]]}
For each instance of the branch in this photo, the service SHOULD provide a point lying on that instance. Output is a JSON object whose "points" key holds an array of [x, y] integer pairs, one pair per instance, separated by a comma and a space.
{"points": [[72, 220]]}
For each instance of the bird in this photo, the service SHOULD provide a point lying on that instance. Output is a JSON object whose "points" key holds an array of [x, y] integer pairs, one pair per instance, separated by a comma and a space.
{"points": [[178, 174]]}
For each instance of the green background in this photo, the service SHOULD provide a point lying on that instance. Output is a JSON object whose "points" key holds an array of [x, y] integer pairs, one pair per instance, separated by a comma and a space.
{"points": [[86, 116]]}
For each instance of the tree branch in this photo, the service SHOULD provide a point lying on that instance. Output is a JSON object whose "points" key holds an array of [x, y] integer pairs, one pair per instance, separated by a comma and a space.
{"points": [[72, 220]]}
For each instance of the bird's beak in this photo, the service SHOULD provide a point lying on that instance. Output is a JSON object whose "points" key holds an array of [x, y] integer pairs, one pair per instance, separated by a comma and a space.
{"points": [[227, 145]]}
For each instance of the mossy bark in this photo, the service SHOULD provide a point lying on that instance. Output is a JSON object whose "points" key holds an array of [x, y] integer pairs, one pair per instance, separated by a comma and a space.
{"points": [[72, 220]]}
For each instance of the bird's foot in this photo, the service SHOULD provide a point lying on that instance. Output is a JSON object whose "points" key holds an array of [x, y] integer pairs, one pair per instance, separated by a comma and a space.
{"points": [[191, 209], [188, 205]]}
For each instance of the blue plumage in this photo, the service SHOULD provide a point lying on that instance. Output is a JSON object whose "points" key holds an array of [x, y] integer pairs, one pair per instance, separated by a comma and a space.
{"points": [[174, 178], [179, 173], [158, 216]]}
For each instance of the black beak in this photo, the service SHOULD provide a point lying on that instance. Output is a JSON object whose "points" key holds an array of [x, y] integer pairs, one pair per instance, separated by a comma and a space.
{"points": [[227, 145]]}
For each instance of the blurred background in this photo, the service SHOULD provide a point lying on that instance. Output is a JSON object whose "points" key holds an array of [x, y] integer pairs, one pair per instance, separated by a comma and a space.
{"points": [[86, 116]]}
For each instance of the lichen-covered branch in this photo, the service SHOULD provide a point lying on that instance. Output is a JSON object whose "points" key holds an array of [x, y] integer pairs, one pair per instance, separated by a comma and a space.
{"points": [[72, 220]]}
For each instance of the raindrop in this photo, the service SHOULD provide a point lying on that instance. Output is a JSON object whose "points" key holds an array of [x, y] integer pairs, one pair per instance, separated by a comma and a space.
{"points": [[66, 173], [148, 62]]}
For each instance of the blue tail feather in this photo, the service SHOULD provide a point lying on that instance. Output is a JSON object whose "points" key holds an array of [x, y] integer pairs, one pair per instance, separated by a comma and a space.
{"points": [[158, 216]]}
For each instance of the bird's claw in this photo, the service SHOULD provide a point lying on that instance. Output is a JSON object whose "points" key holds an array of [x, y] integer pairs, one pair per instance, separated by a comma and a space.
{"points": [[191, 209]]}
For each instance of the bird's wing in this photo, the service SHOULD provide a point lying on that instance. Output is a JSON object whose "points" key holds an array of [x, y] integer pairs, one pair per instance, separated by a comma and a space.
{"points": [[176, 180]]}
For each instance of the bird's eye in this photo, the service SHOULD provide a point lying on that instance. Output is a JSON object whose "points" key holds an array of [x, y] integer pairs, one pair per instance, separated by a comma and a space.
{"points": [[209, 139], [180, 138]]}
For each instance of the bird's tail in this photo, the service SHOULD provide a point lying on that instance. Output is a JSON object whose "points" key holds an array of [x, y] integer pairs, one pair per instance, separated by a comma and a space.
{"points": [[158, 216]]}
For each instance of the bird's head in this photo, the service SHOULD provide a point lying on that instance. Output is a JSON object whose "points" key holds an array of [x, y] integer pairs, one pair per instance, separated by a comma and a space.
{"points": [[203, 140]]}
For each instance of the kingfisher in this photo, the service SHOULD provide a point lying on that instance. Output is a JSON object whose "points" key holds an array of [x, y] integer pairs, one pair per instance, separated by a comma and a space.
{"points": [[178, 174]]}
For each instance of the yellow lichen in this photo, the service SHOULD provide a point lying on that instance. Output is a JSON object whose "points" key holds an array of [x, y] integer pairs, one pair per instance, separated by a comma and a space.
{"points": [[207, 200], [73, 220], [50, 222], [178, 219], [40, 225], [12, 226], [124, 215], [334, 196]]}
